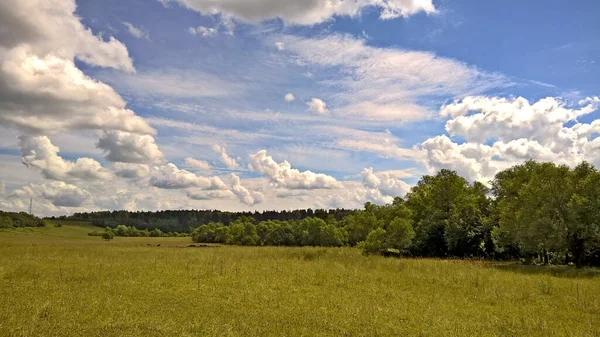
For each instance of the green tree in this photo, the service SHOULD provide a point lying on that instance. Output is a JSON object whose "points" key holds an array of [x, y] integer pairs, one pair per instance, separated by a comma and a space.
{"points": [[449, 215], [375, 243], [360, 223], [243, 232], [107, 236]]}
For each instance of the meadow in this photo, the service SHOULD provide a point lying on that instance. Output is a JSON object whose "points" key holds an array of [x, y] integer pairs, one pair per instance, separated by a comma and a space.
{"points": [[60, 282]]}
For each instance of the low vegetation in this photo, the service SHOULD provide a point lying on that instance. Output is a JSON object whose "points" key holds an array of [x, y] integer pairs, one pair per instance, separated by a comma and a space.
{"points": [[57, 281], [534, 212]]}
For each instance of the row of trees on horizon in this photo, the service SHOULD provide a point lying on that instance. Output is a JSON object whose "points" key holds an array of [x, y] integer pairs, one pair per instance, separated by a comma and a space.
{"points": [[534, 210]]}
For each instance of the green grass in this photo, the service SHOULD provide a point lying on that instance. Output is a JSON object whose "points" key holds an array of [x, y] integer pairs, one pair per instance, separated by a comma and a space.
{"points": [[59, 282]]}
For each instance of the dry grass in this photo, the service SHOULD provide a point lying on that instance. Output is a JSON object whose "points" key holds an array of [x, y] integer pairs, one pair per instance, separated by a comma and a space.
{"points": [[59, 282]]}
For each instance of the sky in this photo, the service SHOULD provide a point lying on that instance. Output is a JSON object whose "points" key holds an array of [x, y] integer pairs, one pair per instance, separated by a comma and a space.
{"points": [[282, 104]]}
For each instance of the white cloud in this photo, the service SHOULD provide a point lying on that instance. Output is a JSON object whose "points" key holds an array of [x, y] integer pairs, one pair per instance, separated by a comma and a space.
{"points": [[289, 97], [2, 187], [137, 32], [230, 162], [203, 31], [501, 132], [60, 194], [383, 143], [131, 171], [386, 83], [199, 165], [170, 177], [42, 92], [384, 183], [317, 105], [280, 45], [283, 175], [305, 12], [51, 26], [211, 195], [40, 153], [128, 147], [243, 194], [50, 94]]}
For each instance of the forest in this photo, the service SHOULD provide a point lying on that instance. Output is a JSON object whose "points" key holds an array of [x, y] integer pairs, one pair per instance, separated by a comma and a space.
{"points": [[536, 212]]}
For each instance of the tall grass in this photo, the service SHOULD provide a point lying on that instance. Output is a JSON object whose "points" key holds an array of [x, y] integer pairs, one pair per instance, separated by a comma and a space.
{"points": [[55, 283]]}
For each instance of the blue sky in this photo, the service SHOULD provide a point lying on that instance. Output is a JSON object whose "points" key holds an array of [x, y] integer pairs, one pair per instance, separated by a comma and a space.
{"points": [[379, 92]]}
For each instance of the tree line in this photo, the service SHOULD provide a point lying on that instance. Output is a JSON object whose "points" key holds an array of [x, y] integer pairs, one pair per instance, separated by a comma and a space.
{"points": [[22, 219], [534, 211], [130, 231], [184, 221]]}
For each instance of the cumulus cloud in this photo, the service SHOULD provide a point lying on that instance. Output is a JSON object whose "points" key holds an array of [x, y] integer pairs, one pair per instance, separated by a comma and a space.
{"points": [[127, 147], [59, 193], [385, 183], [305, 12], [283, 175], [317, 105], [211, 195], [40, 153], [229, 161], [280, 45], [27, 22], [137, 32], [501, 132], [42, 92], [170, 177], [49, 94], [131, 171], [245, 196], [289, 97], [196, 164]]}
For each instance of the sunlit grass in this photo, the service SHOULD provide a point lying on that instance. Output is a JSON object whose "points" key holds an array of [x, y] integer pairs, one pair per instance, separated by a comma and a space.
{"points": [[54, 282]]}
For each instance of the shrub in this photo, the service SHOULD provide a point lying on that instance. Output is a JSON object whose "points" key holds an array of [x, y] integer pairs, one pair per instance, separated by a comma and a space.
{"points": [[107, 236]]}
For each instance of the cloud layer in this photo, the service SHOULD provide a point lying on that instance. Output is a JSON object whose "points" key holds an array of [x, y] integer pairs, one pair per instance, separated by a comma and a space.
{"points": [[304, 12]]}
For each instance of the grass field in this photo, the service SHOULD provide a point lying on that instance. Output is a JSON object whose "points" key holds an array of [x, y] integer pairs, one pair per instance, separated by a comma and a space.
{"points": [[60, 282]]}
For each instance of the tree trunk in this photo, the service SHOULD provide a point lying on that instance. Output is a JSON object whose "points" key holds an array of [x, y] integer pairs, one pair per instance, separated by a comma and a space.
{"points": [[578, 252], [545, 253]]}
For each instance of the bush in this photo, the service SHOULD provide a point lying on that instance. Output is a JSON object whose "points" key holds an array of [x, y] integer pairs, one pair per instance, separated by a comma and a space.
{"points": [[107, 236], [375, 242]]}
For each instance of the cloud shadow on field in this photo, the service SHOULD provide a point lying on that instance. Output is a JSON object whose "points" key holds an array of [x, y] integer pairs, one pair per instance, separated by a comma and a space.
{"points": [[556, 271]]}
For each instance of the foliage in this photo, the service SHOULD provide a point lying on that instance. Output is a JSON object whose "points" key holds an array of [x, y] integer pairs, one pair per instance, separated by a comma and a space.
{"points": [[546, 209], [187, 220], [108, 235], [449, 216], [22, 219]]}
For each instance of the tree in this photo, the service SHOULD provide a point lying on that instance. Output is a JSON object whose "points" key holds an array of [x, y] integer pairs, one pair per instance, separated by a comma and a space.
{"points": [[448, 215], [107, 236], [583, 229], [360, 223], [544, 208], [375, 242], [399, 234], [243, 232]]}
